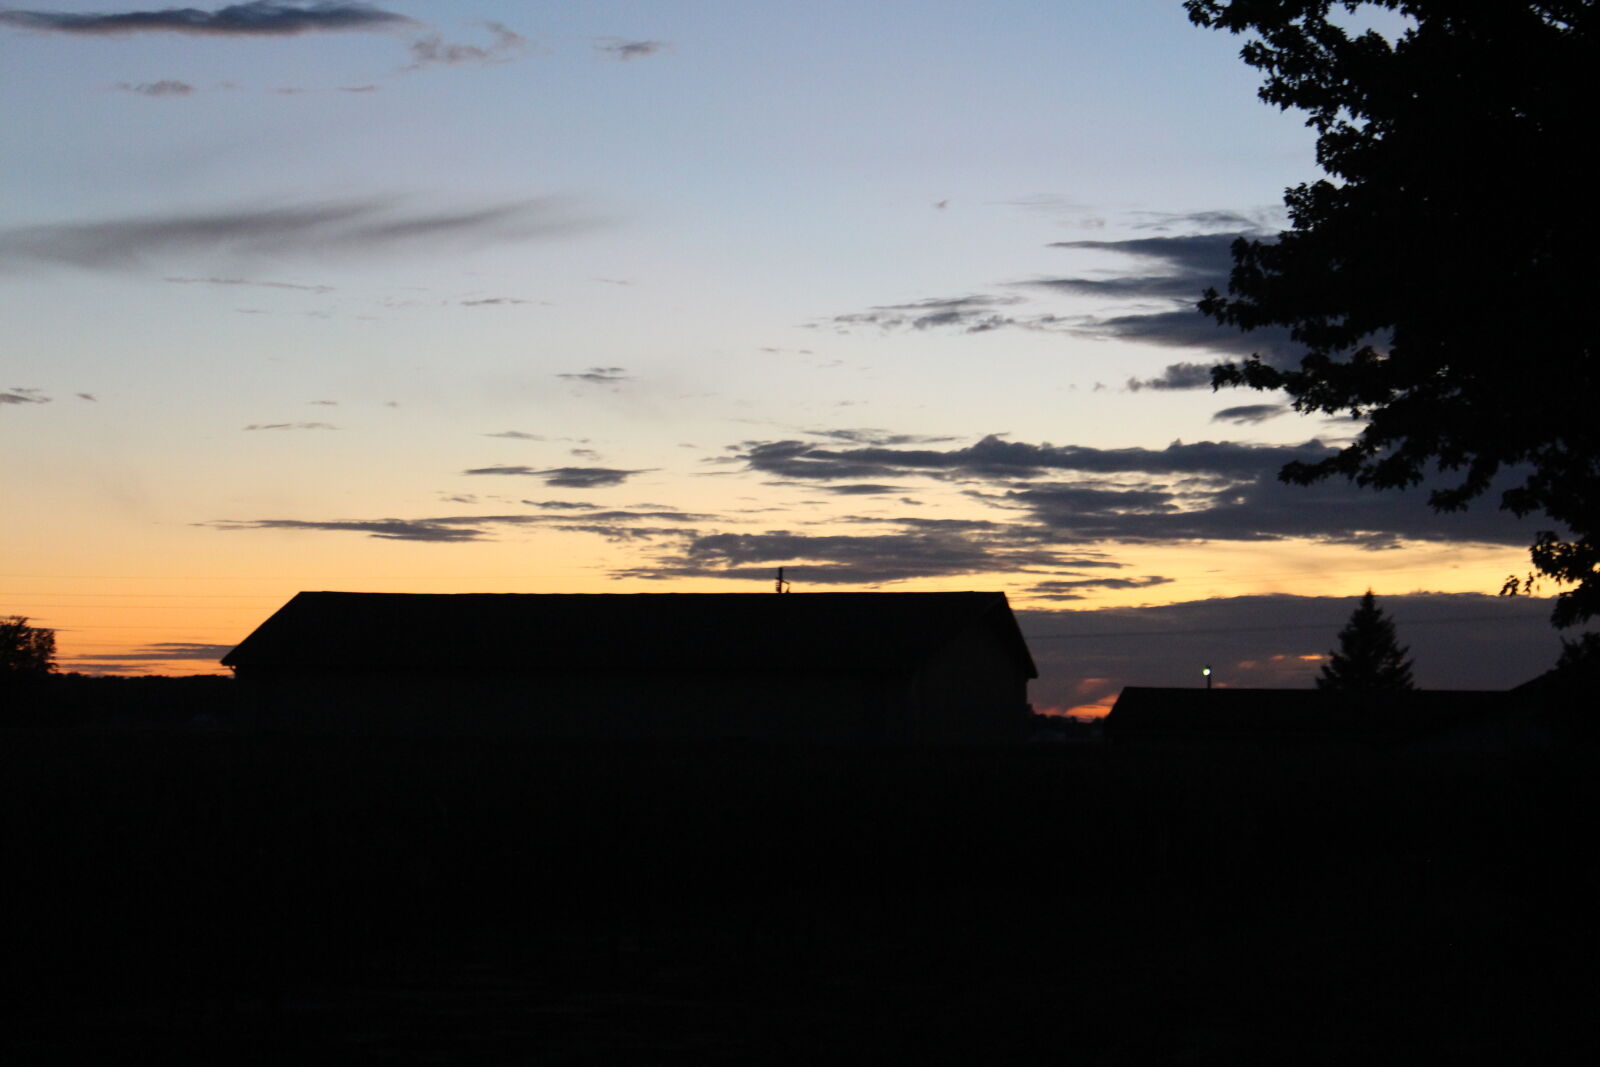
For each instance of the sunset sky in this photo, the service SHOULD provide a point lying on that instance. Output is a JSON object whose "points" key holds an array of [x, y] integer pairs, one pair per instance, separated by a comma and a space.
{"points": [[610, 297]]}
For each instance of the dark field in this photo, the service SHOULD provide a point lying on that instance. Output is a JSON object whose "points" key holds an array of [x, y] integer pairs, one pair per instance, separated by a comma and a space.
{"points": [[177, 895]]}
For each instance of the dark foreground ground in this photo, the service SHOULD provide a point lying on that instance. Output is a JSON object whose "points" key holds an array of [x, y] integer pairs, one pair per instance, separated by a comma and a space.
{"points": [[176, 896]]}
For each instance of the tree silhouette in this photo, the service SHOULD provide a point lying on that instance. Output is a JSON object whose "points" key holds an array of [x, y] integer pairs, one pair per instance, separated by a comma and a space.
{"points": [[25, 651], [1369, 660], [1439, 284]]}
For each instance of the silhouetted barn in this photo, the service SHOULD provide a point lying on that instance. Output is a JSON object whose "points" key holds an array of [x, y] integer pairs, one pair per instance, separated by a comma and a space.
{"points": [[837, 668], [1302, 718]]}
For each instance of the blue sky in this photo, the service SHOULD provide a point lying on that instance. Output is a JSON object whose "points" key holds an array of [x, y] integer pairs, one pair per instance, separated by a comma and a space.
{"points": [[627, 297]]}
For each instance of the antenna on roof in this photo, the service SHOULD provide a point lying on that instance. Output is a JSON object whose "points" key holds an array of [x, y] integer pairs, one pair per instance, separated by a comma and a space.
{"points": [[783, 586]]}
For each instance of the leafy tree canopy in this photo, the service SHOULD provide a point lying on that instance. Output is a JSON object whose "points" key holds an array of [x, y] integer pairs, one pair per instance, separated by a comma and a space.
{"points": [[1439, 281], [25, 651], [1369, 658]]}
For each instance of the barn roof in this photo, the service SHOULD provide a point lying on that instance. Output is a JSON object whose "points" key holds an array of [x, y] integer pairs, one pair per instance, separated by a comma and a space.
{"points": [[757, 632]]}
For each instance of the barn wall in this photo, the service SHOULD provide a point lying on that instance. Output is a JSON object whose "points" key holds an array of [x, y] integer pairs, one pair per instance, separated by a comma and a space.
{"points": [[973, 690], [842, 709]]}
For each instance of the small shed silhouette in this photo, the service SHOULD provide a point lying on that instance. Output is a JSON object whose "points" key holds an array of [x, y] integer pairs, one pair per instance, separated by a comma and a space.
{"points": [[842, 668], [1294, 718]]}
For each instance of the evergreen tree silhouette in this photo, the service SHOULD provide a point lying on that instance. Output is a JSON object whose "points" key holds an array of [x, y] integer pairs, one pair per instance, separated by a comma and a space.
{"points": [[1368, 660]]}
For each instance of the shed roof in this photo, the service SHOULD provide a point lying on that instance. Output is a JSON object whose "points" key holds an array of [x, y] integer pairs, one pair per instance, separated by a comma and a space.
{"points": [[743, 632]]}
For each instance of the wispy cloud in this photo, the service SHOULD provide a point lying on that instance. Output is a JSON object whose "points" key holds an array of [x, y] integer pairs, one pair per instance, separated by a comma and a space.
{"points": [[259, 18], [616, 524], [176, 650], [383, 529], [253, 284], [1169, 276], [624, 50], [967, 314], [23, 396], [1257, 224], [290, 426], [598, 376], [165, 87], [565, 477], [868, 436], [373, 225], [431, 50]]}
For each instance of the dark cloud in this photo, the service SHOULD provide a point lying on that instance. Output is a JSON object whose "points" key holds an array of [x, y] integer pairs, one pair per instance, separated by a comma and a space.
{"points": [[517, 435], [291, 426], [566, 477], [598, 376], [1208, 490], [433, 51], [1185, 327], [862, 489], [176, 650], [1074, 588], [1251, 414], [623, 51], [586, 477], [1176, 270], [87, 396], [993, 457], [1261, 508], [1177, 376], [845, 559], [366, 226], [274, 18], [165, 87], [23, 396], [1458, 641], [1181, 267], [1171, 275]]}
